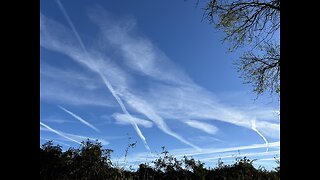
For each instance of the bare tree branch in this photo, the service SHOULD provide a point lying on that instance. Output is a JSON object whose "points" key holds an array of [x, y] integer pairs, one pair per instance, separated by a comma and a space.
{"points": [[253, 22]]}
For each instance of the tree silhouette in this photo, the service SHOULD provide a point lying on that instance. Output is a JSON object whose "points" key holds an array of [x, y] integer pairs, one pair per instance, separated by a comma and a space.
{"points": [[252, 23], [91, 161]]}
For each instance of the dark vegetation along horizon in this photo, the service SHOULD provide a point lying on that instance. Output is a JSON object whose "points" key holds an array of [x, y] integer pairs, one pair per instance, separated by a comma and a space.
{"points": [[91, 161]]}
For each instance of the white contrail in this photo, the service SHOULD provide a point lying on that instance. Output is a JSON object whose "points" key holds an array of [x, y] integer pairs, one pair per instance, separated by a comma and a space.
{"points": [[141, 106], [71, 24], [79, 118], [207, 152], [124, 109], [59, 133], [79, 138], [105, 80], [245, 154], [189, 152], [256, 130]]}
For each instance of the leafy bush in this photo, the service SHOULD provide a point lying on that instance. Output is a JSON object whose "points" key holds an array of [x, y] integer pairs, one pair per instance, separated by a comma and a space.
{"points": [[91, 161]]}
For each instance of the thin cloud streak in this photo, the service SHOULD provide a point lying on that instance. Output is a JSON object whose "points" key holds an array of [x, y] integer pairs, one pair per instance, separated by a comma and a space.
{"points": [[78, 79], [197, 103], [208, 128], [80, 119], [59, 133], [64, 12], [267, 159], [141, 106], [125, 111], [78, 138], [105, 80], [124, 119], [254, 128], [209, 152], [64, 91], [63, 95], [205, 139], [242, 155], [189, 152], [56, 120]]}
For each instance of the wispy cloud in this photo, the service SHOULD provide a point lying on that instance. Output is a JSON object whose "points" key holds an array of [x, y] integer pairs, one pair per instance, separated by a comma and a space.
{"points": [[139, 53], [79, 79], [197, 103], [53, 44], [255, 154], [168, 93], [57, 120], [63, 93], [208, 128], [59, 133], [80, 119], [266, 159], [190, 152], [69, 97], [125, 111], [94, 66], [211, 153], [180, 92], [74, 137], [269, 129], [141, 106], [124, 119], [205, 139]]}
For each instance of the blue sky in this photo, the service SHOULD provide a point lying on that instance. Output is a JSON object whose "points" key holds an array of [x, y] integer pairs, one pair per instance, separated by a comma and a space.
{"points": [[151, 70]]}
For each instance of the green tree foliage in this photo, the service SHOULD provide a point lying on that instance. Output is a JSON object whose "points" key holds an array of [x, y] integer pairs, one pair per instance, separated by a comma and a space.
{"points": [[91, 161], [252, 23]]}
